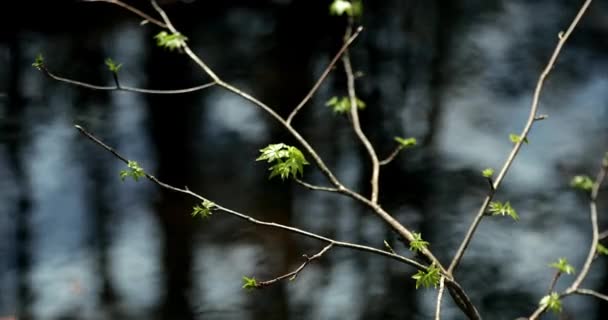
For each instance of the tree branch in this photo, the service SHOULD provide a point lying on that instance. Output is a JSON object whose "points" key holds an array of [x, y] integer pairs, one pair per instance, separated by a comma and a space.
{"points": [[134, 10], [354, 113], [391, 156], [313, 187], [439, 296], [250, 219], [592, 293], [292, 275], [117, 87], [531, 118], [324, 75]]}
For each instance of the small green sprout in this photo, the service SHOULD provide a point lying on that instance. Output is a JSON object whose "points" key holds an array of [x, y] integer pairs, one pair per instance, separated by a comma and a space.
{"points": [[503, 209], [418, 245], [602, 250], [552, 302], [342, 104], [428, 278], [170, 41], [582, 182], [288, 161], [38, 62], [204, 209], [112, 66], [249, 283], [135, 171], [516, 138], [563, 266], [405, 143], [488, 173]]}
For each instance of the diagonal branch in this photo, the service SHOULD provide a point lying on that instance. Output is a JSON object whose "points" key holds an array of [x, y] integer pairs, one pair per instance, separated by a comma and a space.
{"points": [[354, 113], [324, 75], [592, 293], [138, 12], [120, 87], [250, 219], [314, 187], [563, 37], [292, 275]]}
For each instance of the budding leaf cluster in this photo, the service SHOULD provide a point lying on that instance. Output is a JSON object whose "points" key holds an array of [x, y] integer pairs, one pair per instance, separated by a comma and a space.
{"points": [[488, 173], [38, 62], [405, 143], [352, 8], [602, 250], [112, 66], [288, 161], [204, 209], [428, 278], [418, 245], [563, 266], [135, 171], [342, 104], [249, 283], [170, 41], [516, 138], [582, 182], [552, 302], [503, 209]]}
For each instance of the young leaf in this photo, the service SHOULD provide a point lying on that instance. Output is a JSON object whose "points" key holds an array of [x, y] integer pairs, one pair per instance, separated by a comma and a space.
{"points": [[563, 266], [288, 161], [112, 66], [342, 104], [582, 182], [602, 250], [427, 278], [339, 7], [552, 302], [405, 143], [498, 208], [38, 62], [418, 245], [135, 171], [516, 138], [204, 210], [488, 173], [249, 283], [170, 41]]}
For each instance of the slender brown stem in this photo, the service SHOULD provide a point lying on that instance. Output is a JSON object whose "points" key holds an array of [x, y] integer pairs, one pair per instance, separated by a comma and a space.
{"points": [[354, 114], [134, 10], [293, 274], [313, 187], [592, 293], [324, 75], [248, 218], [531, 118], [391, 156], [122, 88], [439, 296]]}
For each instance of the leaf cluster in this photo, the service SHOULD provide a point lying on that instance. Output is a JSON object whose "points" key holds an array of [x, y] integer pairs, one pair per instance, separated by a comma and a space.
{"points": [[112, 66], [552, 302], [204, 209], [249, 283], [503, 209], [428, 278], [135, 171], [170, 41], [406, 143], [288, 161], [418, 245], [352, 8], [341, 105], [582, 182], [563, 266]]}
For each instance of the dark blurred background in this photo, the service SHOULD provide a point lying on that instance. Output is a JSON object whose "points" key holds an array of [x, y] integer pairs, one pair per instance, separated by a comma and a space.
{"points": [[77, 243]]}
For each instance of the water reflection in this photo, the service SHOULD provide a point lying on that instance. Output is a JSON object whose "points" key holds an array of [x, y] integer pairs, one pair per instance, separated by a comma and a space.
{"points": [[93, 247]]}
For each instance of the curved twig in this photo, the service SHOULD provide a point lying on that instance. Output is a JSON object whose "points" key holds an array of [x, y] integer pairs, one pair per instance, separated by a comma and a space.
{"points": [[293, 274], [134, 10], [314, 187], [563, 37]]}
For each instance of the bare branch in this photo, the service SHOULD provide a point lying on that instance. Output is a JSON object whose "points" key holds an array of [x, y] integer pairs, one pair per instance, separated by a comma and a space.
{"points": [[317, 188], [391, 156], [592, 293], [354, 113], [248, 218], [292, 275], [134, 10], [531, 118], [122, 88], [439, 296], [324, 75]]}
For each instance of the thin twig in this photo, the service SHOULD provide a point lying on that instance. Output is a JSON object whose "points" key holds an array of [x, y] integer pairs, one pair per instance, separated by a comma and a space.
{"points": [[439, 296], [533, 110], [122, 88], [554, 281], [292, 275], [314, 187], [391, 156], [592, 293], [324, 75], [574, 287], [354, 113], [134, 10], [243, 216]]}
